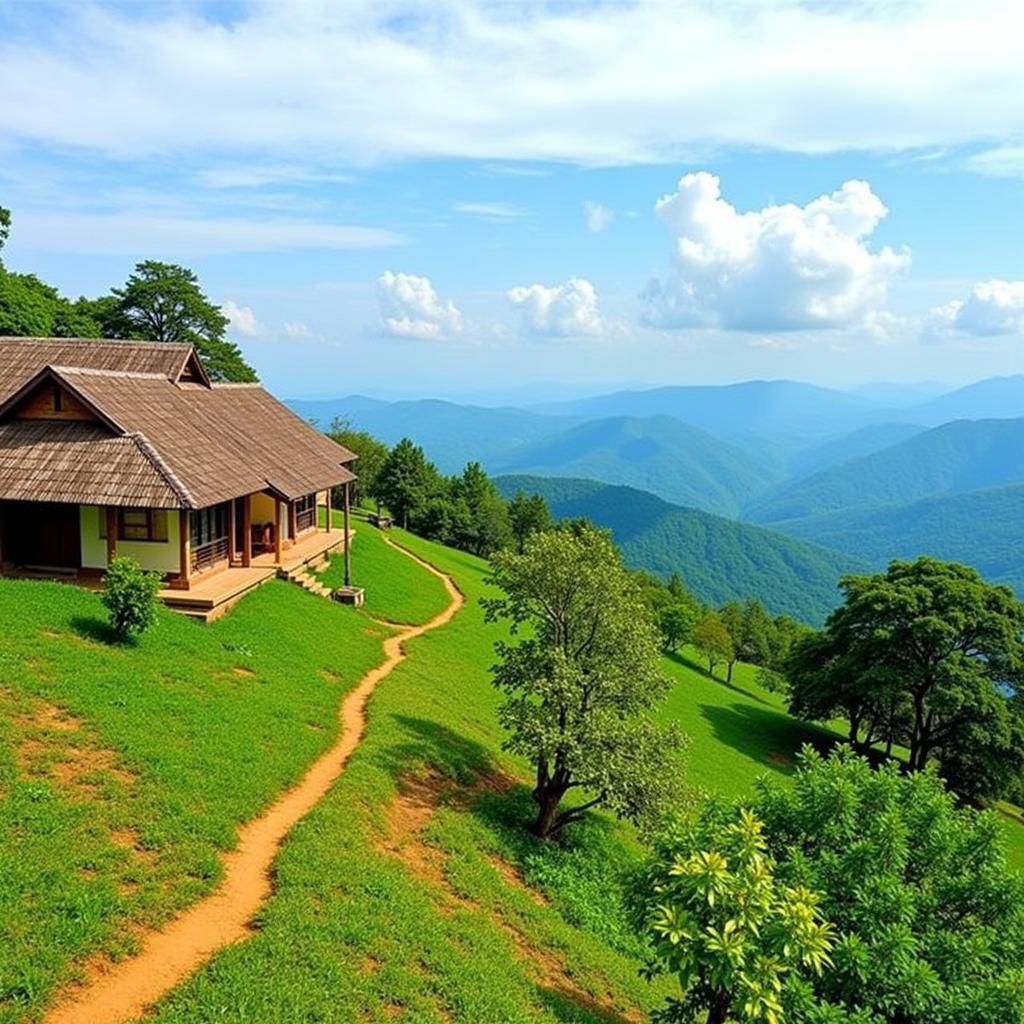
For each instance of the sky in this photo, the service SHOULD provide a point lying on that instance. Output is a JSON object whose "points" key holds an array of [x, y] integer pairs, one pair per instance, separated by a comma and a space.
{"points": [[461, 198]]}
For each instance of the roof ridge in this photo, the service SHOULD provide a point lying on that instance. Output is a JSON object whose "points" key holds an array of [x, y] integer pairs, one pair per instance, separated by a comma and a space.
{"points": [[95, 371], [157, 461], [44, 340], [255, 384]]}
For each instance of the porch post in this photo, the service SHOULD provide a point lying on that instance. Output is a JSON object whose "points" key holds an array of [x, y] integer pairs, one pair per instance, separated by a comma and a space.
{"points": [[111, 514], [293, 521], [348, 553], [184, 546], [232, 554], [327, 510], [277, 532], [247, 531]]}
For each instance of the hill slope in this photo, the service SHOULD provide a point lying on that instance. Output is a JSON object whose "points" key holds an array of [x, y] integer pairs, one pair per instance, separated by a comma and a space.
{"points": [[951, 459], [981, 528], [1001, 397], [677, 462], [719, 559]]}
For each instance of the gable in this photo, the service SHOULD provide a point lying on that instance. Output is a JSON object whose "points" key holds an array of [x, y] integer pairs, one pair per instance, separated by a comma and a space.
{"points": [[50, 400]]}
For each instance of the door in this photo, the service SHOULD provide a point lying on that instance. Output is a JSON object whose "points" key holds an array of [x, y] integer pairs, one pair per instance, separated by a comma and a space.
{"points": [[42, 535]]}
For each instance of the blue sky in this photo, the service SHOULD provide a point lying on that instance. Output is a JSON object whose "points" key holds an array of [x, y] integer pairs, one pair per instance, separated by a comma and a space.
{"points": [[458, 197]]}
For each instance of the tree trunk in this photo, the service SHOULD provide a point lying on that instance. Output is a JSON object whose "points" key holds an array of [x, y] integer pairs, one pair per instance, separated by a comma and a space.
{"points": [[718, 1011], [548, 798], [728, 676]]}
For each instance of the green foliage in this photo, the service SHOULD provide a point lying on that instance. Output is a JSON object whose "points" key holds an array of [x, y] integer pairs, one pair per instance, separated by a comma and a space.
{"points": [[929, 918], [578, 687], [163, 302], [677, 622], [30, 307], [5, 225], [130, 597], [372, 456], [406, 480], [712, 638], [722, 920], [923, 654], [720, 559], [527, 516]]}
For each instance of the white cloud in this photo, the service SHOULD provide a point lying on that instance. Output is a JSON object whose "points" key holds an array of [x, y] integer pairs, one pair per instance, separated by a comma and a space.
{"points": [[992, 308], [296, 330], [782, 267], [361, 82], [148, 233], [564, 310], [998, 162], [492, 211], [241, 319], [410, 308], [598, 218]]}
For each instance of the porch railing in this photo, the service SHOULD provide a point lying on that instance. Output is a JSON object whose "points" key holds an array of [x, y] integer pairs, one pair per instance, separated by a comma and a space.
{"points": [[305, 519], [208, 554]]}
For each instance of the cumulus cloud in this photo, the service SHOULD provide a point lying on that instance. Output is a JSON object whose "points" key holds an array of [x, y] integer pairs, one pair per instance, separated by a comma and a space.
{"points": [[598, 217], [411, 308], [241, 319], [991, 308], [564, 310], [633, 82], [783, 267]]}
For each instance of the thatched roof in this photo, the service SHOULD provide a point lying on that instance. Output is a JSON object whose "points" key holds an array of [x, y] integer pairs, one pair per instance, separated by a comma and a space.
{"points": [[180, 442]]}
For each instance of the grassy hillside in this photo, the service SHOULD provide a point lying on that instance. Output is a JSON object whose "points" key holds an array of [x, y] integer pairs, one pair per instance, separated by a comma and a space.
{"points": [[718, 558], [123, 771], [952, 459], [981, 528], [677, 462]]}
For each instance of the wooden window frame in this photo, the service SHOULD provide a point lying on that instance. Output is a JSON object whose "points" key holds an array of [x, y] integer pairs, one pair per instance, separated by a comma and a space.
{"points": [[156, 524]]}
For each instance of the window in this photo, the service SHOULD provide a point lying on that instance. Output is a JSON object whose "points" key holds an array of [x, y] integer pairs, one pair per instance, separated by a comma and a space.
{"points": [[58, 399], [147, 524], [305, 512], [209, 524]]}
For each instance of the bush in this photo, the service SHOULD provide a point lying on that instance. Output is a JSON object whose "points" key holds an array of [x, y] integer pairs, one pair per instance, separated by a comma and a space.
{"points": [[129, 595]]}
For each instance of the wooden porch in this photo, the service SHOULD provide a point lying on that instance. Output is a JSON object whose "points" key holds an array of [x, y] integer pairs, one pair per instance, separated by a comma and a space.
{"points": [[212, 593]]}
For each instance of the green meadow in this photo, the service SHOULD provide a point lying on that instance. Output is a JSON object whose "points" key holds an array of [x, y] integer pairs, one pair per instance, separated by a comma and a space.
{"points": [[411, 892]]}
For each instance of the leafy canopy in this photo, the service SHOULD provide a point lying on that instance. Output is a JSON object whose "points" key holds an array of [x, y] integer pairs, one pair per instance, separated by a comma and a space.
{"points": [[926, 654], [130, 597], [725, 924], [579, 684]]}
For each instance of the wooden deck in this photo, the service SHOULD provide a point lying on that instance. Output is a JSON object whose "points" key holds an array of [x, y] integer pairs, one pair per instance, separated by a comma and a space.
{"points": [[213, 594]]}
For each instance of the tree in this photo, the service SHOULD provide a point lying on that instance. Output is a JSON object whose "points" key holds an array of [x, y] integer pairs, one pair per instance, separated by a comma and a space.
{"points": [[712, 639], [929, 918], [488, 522], [5, 225], [579, 685], [130, 597], [372, 456], [527, 516], [925, 654], [405, 481], [720, 919], [676, 622], [163, 302]]}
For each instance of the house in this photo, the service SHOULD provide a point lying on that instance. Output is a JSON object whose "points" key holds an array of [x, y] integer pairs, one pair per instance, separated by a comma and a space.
{"points": [[119, 447]]}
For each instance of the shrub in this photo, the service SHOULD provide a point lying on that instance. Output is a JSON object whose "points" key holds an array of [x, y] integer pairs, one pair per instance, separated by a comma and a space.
{"points": [[129, 595]]}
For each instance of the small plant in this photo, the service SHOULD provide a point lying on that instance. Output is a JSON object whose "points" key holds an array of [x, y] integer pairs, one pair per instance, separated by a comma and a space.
{"points": [[129, 595]]}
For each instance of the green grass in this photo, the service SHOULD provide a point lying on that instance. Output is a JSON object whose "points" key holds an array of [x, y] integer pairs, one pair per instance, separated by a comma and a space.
{"points": [[123, 771], [397, 590], [364, 927]]}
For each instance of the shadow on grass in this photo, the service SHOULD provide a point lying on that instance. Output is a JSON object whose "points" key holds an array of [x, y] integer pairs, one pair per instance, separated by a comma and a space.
{"points": [[768, 736], [88, 627], [689, 663], [572, 1007], [424, 741]]}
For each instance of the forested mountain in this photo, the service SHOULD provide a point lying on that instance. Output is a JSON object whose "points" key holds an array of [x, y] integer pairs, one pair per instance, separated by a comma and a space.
{"points": [[780, 410], [951, 459], [453, 434], [981, 528], [673, 460], [719, 559], [859, 442], [996, 397]]}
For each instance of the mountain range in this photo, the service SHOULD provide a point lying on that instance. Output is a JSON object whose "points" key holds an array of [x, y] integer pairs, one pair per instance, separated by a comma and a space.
{"points": [[891, 470]]}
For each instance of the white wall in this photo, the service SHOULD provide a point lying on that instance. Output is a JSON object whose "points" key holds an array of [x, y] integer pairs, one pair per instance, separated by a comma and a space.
{"points": [[160, 556]]}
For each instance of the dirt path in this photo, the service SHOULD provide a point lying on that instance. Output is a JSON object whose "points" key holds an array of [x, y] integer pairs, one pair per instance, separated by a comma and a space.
{"points": [[171, 954]]}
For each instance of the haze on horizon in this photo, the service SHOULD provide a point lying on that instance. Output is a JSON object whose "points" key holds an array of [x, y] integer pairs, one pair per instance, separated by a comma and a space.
{"points": [[661, 199]]}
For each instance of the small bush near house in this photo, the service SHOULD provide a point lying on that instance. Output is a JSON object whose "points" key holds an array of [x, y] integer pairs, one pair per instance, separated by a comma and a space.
{"points": [[129, 595]]}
